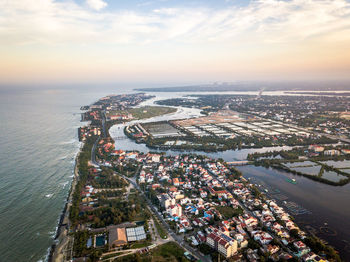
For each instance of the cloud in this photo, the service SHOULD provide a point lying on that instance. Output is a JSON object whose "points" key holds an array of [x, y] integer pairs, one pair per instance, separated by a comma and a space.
{"points": [[297, 34], [96, 4], [265, 21]]}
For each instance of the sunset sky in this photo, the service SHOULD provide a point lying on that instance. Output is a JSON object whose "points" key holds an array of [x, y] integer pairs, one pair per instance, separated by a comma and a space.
{"points": [[173, 41]]}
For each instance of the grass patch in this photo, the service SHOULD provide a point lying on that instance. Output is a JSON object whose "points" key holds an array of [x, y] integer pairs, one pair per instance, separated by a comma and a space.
{"points": [[140, 244], [170, 251], [229, 212], [145, 112], [113, 255], [160, 229]]}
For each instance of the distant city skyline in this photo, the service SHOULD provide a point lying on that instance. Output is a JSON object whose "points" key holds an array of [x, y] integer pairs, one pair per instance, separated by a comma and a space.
{"points": [[170, 42]]}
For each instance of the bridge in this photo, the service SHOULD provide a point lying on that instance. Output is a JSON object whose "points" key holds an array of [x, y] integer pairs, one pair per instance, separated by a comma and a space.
{"points": [[120, 138], [238, 163]]}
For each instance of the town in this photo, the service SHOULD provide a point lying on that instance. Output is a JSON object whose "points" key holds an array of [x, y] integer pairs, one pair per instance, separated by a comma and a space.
{"points": [[127, 205]]}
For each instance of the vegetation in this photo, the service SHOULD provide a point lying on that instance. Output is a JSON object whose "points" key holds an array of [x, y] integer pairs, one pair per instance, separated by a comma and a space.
{"points": [[229, 212], [82, 165], [144, 112], [268, 159], [317, 246], [167, 252], [80, 248], [161, 231]]}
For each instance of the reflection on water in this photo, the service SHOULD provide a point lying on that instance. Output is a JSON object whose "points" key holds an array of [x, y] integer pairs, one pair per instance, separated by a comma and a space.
{"points": [[321, 209], [327, 204], [181, 113]]}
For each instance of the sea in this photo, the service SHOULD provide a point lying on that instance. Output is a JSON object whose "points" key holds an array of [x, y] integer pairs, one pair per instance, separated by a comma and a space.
{"points": [[38, 145]]}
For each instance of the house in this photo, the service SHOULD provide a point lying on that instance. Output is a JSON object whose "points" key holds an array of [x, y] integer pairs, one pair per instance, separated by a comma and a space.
{"points": [[331, 152], [345, 151], [176, 182], [167, 201], [155, 158], [316, 148], [301, 247], [175, 210], [225, 245]]}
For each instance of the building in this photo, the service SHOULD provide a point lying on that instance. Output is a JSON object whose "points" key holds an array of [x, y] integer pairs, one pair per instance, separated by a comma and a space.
{"points": [[345, 151], [136, 233], [167, 201], [331, 152], [316, 148], [175, 210], [225, 245]]}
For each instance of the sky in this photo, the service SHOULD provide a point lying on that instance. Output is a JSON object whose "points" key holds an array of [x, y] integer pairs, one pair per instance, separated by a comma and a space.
{"points": [[173, 41]]}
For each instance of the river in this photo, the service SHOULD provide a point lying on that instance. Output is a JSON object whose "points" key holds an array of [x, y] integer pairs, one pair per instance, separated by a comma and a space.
{"points": [[38, 144], [325, 203], [124, 143]]}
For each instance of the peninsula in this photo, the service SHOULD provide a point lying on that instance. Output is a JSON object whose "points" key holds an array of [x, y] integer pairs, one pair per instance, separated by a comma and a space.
{"points": [[126, 205]]}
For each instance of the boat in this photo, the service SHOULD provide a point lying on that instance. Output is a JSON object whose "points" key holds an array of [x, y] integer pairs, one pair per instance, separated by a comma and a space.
{"points": [[292, 181]]}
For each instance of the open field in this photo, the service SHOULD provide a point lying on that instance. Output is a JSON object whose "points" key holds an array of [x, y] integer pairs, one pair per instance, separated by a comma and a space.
{"points": [[161, 129], [219, 117], [143, 112]]}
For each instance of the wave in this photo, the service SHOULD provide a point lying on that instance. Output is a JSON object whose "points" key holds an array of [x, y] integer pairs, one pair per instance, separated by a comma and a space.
{"points": [[52, 233], [63, 157], [72, 141], [64, 184], [46, 258]]}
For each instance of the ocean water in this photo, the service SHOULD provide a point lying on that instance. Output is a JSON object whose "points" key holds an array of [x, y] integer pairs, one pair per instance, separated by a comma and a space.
{"points": [[38, 144]]}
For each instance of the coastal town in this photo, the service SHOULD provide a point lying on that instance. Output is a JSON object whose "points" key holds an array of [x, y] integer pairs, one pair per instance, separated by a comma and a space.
{"points": [[127, 205]]}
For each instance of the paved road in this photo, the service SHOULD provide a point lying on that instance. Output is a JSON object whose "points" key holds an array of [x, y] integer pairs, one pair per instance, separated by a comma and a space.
{"points": [[93, 153], [173, 236], [171, 233], [104, 124], [178, 239], [252, 214]]}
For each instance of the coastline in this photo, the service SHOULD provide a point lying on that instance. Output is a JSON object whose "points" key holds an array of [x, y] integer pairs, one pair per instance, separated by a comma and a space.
{"points": [[62, 248], [62, 239]]}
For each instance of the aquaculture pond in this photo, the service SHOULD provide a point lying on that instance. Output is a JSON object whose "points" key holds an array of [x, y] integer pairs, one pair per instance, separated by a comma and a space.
{"points": [[337, 164]]}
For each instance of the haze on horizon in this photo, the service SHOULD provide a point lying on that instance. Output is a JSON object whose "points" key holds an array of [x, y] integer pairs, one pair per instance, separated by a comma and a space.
{"points": [[170, 41]]}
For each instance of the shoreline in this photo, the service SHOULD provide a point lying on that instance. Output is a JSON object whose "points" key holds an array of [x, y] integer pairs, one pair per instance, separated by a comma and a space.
{"points": [[62, 248], [61, 237]]}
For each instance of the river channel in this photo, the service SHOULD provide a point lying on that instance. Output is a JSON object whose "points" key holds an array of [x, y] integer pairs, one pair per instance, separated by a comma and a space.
{"points": [[323, 209]]}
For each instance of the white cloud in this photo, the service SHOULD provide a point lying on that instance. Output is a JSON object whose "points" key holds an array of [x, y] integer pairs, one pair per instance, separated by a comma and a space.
{"points": [[262, 21], [96, 4]]}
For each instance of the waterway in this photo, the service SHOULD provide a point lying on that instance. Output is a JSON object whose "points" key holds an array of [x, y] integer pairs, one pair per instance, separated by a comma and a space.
{"points": [[328, 205], [124, 143], [38, 144], [322, 206]]}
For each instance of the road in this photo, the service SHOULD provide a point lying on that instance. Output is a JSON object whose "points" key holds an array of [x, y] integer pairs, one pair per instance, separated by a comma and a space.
{"points": [[171, 233], [104, 124], [252, 214]]}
